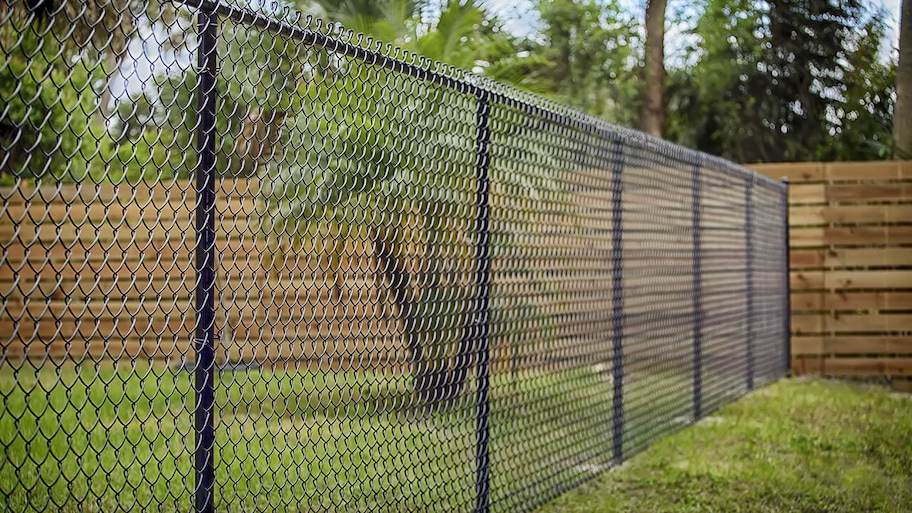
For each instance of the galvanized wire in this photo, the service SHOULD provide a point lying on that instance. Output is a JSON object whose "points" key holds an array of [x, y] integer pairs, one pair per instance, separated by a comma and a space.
{"points": [[252, 263]]}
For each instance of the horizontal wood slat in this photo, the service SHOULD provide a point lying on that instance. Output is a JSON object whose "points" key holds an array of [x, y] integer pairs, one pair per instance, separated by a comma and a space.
{"points": [[858, 345], [121, 194], [807, 194], [804, 172], [869, 257], [814, 172], [815, 237], [870, 323], [852, 265], [851, 257], [849, 280], [853, 367], [851, 301], [851, 237], [869, 192]]}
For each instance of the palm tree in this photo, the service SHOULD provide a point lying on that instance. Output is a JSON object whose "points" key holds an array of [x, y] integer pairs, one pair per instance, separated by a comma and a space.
{"points": [[391, 160], [407, 188]]}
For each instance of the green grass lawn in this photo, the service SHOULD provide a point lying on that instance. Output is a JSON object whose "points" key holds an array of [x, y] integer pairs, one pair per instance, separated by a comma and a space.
{"points": [[99, 439], [96, 438], [796, 446]]}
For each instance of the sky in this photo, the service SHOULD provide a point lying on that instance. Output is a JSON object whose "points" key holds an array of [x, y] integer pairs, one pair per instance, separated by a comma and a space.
{"points": [[893, 8]]}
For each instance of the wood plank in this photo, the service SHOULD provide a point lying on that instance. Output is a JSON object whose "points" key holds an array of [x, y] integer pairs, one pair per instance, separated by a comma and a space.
{"points": [[805, 324], [845, 345], [853, 367], [367, 349], [807, 345], [868, 301], [807, 216], [807, 194], [869, 192], [809, 301], [868, 235], [87, 329], [116, 252], [892, 279], [877, 323], [806, 280], [151, 210], [866, 214], [178, 190], [868, 257], [902, 385], [821, 237], [799, 172], [29, 234], [848, 301], [175, 349], [305, 310], [74, 234], [139, 270], [854, 171], [167, 287], [174, 266], [802, 258], [808, 237]]}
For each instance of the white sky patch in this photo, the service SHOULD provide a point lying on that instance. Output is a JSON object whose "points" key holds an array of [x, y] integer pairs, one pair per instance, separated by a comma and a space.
{"points": [[892, 22]]}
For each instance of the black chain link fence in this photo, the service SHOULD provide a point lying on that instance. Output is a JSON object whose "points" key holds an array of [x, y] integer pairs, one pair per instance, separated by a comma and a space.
{"points": [[253, 263]]}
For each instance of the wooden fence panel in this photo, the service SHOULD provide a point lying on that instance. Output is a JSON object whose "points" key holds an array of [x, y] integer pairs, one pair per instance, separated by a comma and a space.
{"points": [[98, 271], [78, 261], [851, 263]]}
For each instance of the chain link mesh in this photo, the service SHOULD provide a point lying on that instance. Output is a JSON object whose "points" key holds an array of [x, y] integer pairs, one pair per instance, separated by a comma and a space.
{"points": [[252, 263]]}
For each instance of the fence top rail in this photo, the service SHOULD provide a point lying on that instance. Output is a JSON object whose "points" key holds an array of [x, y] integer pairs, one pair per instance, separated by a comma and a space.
{"points": [[335, 38]]}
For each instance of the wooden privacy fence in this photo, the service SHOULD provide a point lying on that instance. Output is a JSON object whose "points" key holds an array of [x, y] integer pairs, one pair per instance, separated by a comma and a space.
{"points": [[102, 271], [108, 272], [851, 258]]}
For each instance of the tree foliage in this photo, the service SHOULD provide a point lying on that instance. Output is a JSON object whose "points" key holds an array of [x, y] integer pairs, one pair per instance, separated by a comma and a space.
{"points": [[782, 80], [591, 54]]}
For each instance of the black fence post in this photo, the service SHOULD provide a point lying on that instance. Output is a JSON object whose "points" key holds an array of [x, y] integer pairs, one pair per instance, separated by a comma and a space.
{"points": [[788, 278], [482, 306], [697, 297], [749, 249], [205, 264], [617, 297]]}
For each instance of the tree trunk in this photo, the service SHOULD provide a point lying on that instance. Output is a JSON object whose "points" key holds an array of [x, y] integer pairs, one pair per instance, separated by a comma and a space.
{"points": [[652, 108], [438, 377], [902, 111], [399, 280]]}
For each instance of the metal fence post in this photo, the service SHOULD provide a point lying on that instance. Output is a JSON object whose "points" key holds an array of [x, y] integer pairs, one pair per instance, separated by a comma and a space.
{"points": [[749, 249], [788, 278], [617, 297], [697, 297], [482, 306], [205, 264]]}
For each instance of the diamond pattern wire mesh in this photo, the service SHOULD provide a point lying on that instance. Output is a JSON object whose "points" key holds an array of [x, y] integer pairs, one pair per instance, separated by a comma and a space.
{"points": [[255, 263]]}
